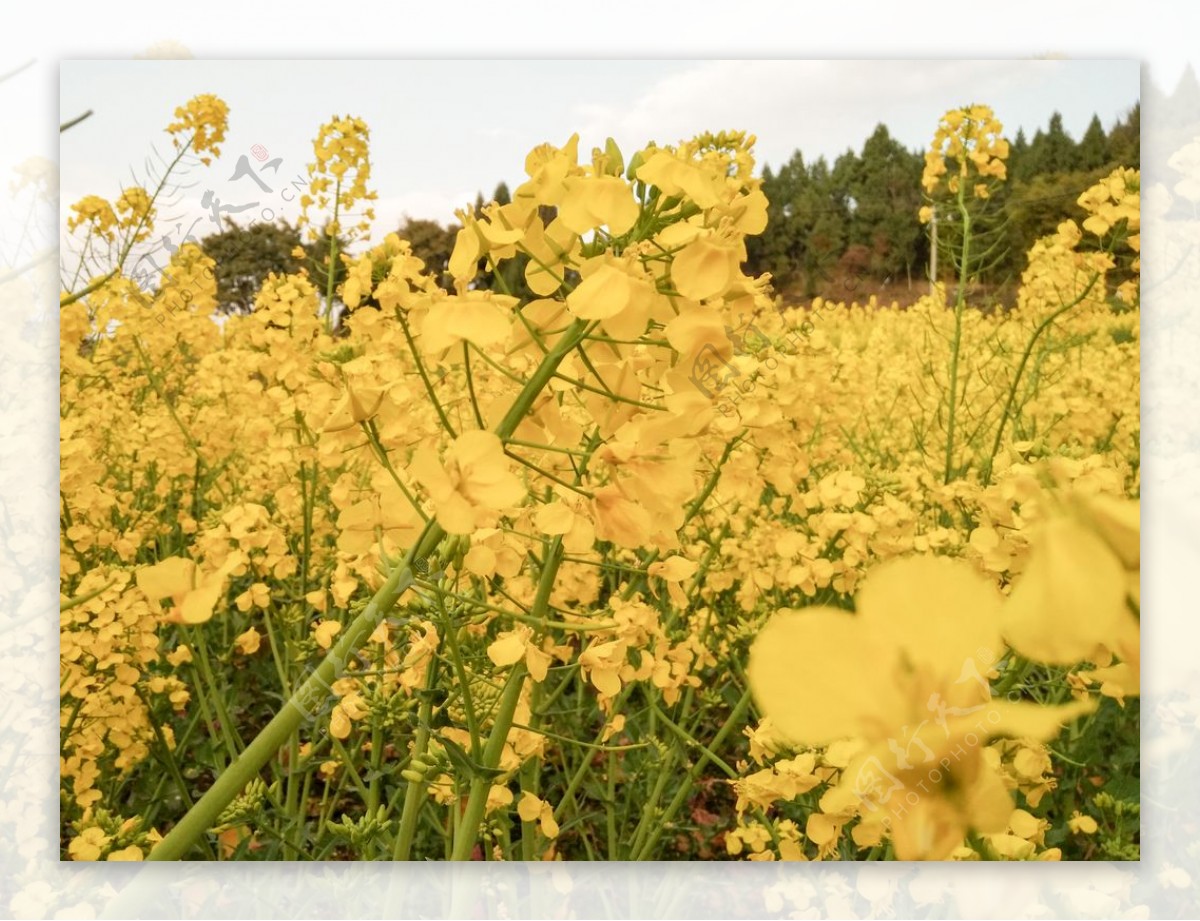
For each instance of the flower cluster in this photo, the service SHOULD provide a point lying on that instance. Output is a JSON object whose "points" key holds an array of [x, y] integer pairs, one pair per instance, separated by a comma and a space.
{"points": [[506, 562], [967, 154], [339, 176], [202, 123]]}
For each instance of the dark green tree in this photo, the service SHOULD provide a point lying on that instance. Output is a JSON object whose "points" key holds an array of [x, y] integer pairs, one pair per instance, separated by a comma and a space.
{"points": [[1092, 151], [885, 184], [245, 256], [806, 220], [1051, 151], [1125, 139]]}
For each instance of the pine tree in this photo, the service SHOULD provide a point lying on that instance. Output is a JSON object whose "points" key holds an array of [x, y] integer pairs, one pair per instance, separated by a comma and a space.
{"points": [[1092, 151]]}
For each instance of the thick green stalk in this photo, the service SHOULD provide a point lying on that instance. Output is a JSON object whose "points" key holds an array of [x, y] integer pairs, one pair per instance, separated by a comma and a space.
{"points": [[315, 689], [468, 829], [201, 817], [464, 841]]}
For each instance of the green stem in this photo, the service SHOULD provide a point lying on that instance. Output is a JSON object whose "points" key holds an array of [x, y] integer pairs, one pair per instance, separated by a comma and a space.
{"points": [[275, 734], [200, 818], [956, 346], [464, 842], [681, 795], [1012, 391], [414, 795], [468, 829]]}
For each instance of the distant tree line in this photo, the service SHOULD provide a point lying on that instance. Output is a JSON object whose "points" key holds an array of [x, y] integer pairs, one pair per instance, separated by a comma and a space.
{"points": [[856, 218]]}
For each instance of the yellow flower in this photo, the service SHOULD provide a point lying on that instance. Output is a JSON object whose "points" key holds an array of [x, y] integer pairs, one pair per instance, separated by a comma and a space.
{"points": [[619, 520], [193, 592], [971, 138], [348, 710], [1073, 594], [706, 267], [480, 317], [906, 673], [602, 662], [1082, 824], [136, 211], [532, 809], [358, 405], [324, 632], [610, 288], [205, 118], [257, 595], [248, 643], [595, 201], [89, 844], [677, 176], [131, 853], [95, 211], [181, 655], [474, 484], [516, 644], [342, 166]]}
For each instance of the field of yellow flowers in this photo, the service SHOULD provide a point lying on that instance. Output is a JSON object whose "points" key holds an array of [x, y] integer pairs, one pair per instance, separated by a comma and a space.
{"points": [[646, 566]]}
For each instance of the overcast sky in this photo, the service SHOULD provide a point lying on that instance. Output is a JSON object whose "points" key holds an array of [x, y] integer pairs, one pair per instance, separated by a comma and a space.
{"points": [[442, 131]]}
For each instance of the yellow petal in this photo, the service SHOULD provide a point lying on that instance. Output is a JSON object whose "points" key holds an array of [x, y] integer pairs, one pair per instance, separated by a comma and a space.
{"points": [[428, 471], [546, 819], [1069, 599], [1119, 523], [606, 681], [325, 631], [249, 642], [704, 268], [468, 250], [483, 319], [456, 515], [624, 523], [339, 723], [554, 518], [197, 606], [821, 829], [1028, 720], [817, 674], [604, 293], [170, 578], [696, 327], [480, 560], [940, 611], [537, 662], [529, 807], [506, 649], [131, 853], [674, 569]]}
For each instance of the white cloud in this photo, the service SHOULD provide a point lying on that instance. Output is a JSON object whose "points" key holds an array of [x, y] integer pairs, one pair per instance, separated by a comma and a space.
{"points": [[821, 107]]}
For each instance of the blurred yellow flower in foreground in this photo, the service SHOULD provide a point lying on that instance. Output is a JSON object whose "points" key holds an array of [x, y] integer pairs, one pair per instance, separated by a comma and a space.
{"points": [[907, 674]]}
